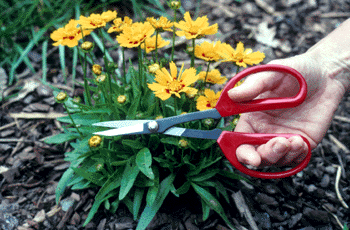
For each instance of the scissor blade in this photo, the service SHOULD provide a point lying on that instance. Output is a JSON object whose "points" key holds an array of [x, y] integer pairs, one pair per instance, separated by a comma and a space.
{"points": [[120, 124], [135, 129], [203, 134]]}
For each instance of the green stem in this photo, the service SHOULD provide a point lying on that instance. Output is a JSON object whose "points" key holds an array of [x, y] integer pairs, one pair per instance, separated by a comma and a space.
{"points": [[206, 75], [192, 57], [106, 63], [141, 78], [124, 71], [75, 126], [157, 46], [86, 85], [175, 105], [237, 70], [173, 48]]}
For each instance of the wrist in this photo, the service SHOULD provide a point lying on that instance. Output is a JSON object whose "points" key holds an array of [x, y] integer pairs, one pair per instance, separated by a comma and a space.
{"points": [[332, 56]]}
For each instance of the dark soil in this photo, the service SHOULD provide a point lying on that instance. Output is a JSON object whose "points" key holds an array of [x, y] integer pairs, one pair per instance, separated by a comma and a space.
{"points": [[30, 169]]}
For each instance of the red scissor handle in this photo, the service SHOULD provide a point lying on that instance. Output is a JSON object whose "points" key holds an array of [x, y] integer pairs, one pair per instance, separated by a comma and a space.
{"points": [[229, 142], [226, 107]]}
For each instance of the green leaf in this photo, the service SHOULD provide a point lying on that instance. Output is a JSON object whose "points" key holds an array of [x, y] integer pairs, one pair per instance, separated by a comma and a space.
{"points": [[170, 140], [184, 188], [133, 108], [61, 138], [129, 176], [153, 190], [62, 184], [134, 144], [212, 202], [93, 177], [144, 162], [137, 201], [206, 175], [150, 210], [81, 119], [205, 210], [112, 183]]}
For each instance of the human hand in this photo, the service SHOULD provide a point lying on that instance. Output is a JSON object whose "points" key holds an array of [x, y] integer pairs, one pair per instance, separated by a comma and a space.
{"points": [[310, 119]]}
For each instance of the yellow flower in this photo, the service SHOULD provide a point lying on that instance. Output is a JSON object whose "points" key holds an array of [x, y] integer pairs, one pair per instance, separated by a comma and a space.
{"points": [[97, 20], [109, 15], [161, 24], [119, 24], [69, 35], [95, 141], [194, 29], [134, 35], [150, 43], [214, 77], [208, 101], [159, 117], [169, 84], [97, 69], [240, 56], [208, 51], [153, 68]]}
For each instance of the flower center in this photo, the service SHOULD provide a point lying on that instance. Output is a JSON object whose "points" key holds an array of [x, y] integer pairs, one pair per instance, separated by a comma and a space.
{"points": [[175, 86]]}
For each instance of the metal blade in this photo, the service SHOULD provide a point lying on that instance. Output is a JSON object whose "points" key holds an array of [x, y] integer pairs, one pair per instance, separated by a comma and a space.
{"points": [[120, 124], [135, 129], [203, 134]]}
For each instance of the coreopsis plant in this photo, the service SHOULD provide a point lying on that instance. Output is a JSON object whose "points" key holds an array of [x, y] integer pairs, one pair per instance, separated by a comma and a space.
{"points": [[141, 171]]}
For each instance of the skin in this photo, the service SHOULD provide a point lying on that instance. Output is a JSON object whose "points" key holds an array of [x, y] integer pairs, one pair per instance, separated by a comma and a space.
{"points": [[326, 69]]}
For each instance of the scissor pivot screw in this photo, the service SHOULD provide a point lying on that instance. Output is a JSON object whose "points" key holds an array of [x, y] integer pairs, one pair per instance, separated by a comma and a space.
{"points": [[153, 126]]}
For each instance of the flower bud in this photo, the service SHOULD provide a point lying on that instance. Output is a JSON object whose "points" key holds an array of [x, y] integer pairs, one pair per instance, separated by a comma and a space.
{"points": [[183, 113], [97, 69], [61, 97], [153, 68], [99, 167], [95, 141], [139, 115], [183, 143], [175, 5], [77, 99], [159, 117], [87, 46], [101, 78], [209, 122], [121, 99]]}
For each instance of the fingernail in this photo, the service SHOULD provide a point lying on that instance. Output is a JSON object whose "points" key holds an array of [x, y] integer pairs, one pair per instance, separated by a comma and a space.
{"points": [[278, 147]]}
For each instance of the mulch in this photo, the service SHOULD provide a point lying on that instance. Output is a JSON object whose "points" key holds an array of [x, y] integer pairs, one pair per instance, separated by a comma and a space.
{"points": [[315, 198]]}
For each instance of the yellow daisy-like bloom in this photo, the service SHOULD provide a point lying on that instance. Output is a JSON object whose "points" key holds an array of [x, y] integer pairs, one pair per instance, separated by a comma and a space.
{"points": [[194, 29], [119, 24], [69, 35], [134, 35], [169, 84], [97, 20], [101, 78], [95, 141], [208, 51], [109, 15], [150, 43], [208, 101], [161, 24], [240, 56], [214, 77]]}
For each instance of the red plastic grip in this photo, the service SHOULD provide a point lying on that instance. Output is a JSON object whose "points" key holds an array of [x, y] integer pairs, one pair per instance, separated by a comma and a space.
{"points": [[226, 107], [229, 142]]}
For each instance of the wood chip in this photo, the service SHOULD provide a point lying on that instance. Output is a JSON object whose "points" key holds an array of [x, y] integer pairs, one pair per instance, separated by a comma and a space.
{"points": [[243, 209]]}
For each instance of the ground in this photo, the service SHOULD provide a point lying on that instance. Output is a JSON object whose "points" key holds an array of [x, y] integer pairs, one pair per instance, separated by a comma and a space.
{"points": [[315, 198]]}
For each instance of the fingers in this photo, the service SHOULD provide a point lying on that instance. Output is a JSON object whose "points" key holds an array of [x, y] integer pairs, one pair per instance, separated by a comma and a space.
{"points": [[278, 151]]}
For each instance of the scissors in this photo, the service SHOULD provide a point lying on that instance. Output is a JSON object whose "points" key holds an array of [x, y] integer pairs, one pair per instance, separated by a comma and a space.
{"points": [[227, 140]]}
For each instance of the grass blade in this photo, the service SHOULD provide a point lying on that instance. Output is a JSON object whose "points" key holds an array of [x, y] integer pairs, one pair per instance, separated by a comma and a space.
{"points": [[63, 61], [44, 60], [25, 59], [100, 45], [75, 62]]}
